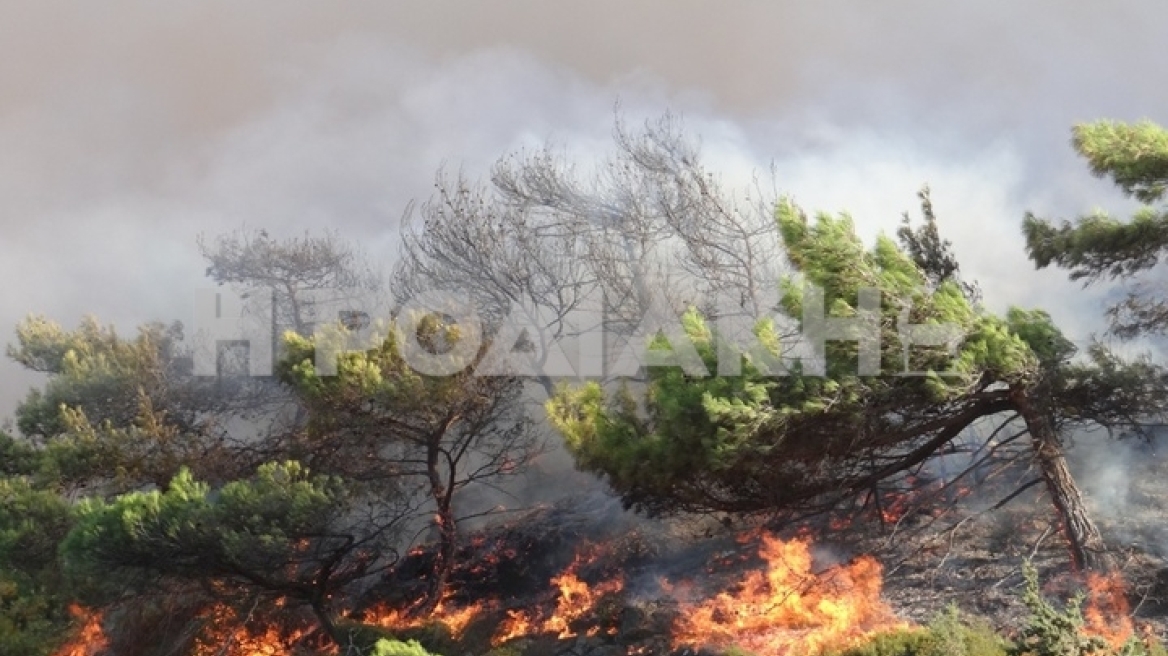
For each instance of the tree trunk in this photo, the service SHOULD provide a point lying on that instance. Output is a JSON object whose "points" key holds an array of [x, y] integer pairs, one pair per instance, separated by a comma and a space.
{"points": [[326, 622], [1088, 551], [444, 565], [443, 494]]}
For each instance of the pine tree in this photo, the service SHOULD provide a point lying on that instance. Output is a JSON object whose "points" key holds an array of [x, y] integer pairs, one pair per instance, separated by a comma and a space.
{"points": [[1098, 246], [808, 441]]}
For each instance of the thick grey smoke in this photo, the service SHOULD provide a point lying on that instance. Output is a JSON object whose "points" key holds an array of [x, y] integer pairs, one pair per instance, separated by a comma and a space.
{"points": [[128, 129]]}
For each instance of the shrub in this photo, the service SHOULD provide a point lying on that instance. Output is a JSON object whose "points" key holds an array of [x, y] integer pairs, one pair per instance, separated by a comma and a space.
{"points": [[399, 648], [1054, 632], [950, 634], [433, 636], [1050, 631], [902, 642]]}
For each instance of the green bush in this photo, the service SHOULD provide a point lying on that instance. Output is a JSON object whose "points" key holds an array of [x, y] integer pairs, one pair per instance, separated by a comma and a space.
{"points": [[950, 634], [399, 648], [33, 596], [1049, 631], [902, 642], [433, 636], [1053, 632]]}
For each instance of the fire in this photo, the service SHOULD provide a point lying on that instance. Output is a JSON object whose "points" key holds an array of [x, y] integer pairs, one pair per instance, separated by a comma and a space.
{"points": [[455, 619], [893, 505], [90, 639], [227, 634], [1108, 614], [783, 608], [576, 600], [789, 609], [517, 625], [242, 642]]}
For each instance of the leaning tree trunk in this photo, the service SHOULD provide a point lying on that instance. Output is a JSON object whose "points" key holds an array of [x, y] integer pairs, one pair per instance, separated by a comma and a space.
{"points": [[327, 623], [1088, 551]]}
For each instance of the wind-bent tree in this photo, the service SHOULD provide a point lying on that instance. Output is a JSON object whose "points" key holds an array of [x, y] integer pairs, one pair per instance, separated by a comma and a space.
{"points": [[297, 280], [284, 532], [594, 249], [379, 420], [291, 269], [131, 410], [120, 414], [117, 411], [1098, 246], [652, 227], [95, 370], [809, 440]]}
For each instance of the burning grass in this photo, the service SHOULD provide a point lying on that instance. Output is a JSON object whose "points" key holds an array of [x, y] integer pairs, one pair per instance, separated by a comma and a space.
{"points": [[576, 601], [783, 606], [789, 608], [548, 586], [228, 632], [760, 592]]}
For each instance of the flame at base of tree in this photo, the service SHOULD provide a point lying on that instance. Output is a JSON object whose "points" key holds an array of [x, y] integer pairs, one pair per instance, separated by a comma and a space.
{"points": [[1108, 614], [790, 609], [90, 639]]}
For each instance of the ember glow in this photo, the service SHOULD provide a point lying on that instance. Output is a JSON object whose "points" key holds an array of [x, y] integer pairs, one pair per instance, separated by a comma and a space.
{"points": [[789, 609]]}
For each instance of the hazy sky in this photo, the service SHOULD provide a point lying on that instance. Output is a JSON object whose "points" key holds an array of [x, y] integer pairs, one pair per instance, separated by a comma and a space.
{"points": [[128, 128]]}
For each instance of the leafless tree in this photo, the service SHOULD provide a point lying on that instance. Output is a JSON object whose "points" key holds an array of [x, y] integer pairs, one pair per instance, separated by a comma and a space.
{"points": [[651, 222]]}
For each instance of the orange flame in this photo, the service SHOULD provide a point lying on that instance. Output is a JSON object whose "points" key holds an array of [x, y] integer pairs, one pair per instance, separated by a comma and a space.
{"points": [[576, 600], [517, 625], [785, 609], [1108, 614], [789, 609], [455, 619], [90, 640], [227, 634]]}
